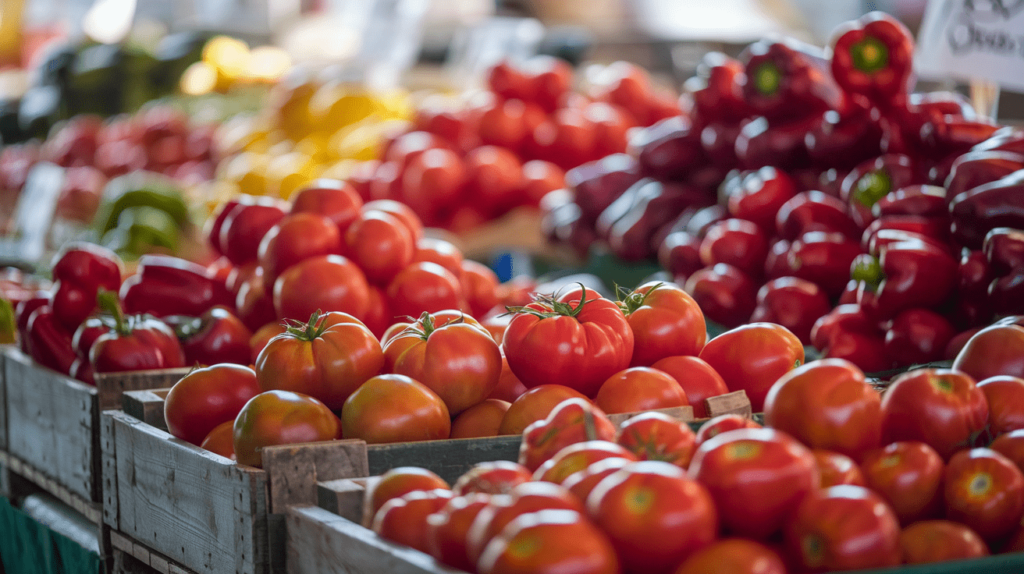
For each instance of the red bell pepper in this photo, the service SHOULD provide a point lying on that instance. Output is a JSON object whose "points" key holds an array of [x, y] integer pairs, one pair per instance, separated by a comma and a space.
{"points": [[844, 139], [1007, 138], [936, 228], [1006, 294], [758, 195], [873, 56], [885, 237], [669, 149], [954, 134], [725, 294], [938, 104], [873, 179], [90, 330], [978, 168], [996, 204], [922, 200], [794, 303], [815, 211], [216, 337], [918, 336], [974, 275], [823, 259], [81, 370], [717, 90], [1004, 249], [788, 79], [22, 312], [48, 342], [904, 275], [776, 264], [137, 342], [629, 237], [679, 254], [80, 270], [718, 140], [847, 333], [762, 142], [165, 286]]}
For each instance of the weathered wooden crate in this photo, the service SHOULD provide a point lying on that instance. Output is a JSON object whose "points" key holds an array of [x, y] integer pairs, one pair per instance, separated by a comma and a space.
{"points": [[3, 400]]}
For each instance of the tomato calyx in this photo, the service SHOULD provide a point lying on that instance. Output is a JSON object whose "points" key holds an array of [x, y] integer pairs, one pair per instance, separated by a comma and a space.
{"points": [[551, 306], [630, 301], [307, 331], [425, 326]]}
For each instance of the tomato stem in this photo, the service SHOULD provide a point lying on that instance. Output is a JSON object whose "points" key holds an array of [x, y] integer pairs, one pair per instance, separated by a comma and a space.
{"points": [[551, 307], [109, 303], [633, 300], [307, 331]]}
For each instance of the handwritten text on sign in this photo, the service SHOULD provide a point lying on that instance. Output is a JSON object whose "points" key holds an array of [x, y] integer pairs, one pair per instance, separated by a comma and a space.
{"points": [[973, 40]]}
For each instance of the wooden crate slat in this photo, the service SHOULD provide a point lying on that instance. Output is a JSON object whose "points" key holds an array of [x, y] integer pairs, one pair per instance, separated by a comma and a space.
{"points": [[294, 470], [684, 414], [3, 403], [111, 386], [730, 403], [343, 497], [448, 458], [146, 405], [108, 444]]}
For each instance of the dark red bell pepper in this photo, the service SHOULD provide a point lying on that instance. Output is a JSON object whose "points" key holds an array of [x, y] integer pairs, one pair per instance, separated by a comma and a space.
{"points": [[165, 286], [978, 168], [776, 264], [717, 90], [1004, 249], [656, 204], [702, 220], [22, 313], [781, 144], [815, 211], [794, 303], [90, 330], [255, 307], [873, 179], [847, 333], [216, 222], [923, 200], [725, 294], [788, 79], [1007, 138], [823, 259], [1006, 294], [216, 337], [669, 149], [904, 275], [49, 343], [718, 140], [938, 104], [844, 139], [873, 56], [885, 237], [954, 134], [974, 275], [80, 270], [597, 184], [758, 196], [81, 370], [737, 242], [996, 204], [918, 336], [137, 342], [679, 254], [936, 228]]}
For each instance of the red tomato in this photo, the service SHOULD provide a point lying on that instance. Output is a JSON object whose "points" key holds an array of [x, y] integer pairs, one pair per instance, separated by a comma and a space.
{"points": [[572, 421], [655, 436], [843, 528], [380, 244], [1011, 445], [640, 389], [940, 407], [281, 417], [386, 184], [295, 238], [505, 123], [535, 405], [939, 541], [246, 224], [412, 412], [909, 476], [611, 127], [723, 424], [378, 316], [568, 139], [985, 491], [665, 321], [827, 404], [753, 357], [221, 440], [480, 420], [494, 178], [497, 477], [328, 358], [396, 483], [434, 180], [725, 294], [480, 287], [206, 398], [624, 84], [335, 199], [439, 251], [508, 81], [996, 350], [756, 476], [733, 556], [549, 79], [423, 288], [582, 483], [578, 344], [437, 320], [262, 336], [410, 145], [324, 283], [697, 378], [550, 541], [540, 178], [1005, 398], [448, 528], [736, 242], [404, 520], [255, 304], [577, 457], [837, 469], [401, 211], [654, 515]]}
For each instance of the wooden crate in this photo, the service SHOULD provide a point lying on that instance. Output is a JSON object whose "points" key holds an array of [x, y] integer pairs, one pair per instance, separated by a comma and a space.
{"points": [[3, 401]]}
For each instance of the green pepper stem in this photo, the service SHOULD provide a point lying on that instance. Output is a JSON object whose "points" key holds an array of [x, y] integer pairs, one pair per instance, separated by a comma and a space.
{"points": [[109, 303], [872, 186], [867, 269], [767, 78], [869, 55]]}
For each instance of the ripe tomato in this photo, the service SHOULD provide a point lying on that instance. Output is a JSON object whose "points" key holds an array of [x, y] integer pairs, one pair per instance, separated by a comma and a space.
{"points": [[572, 421], [480, 287], [295, 238], [380, 245], [578, 344], [377, 317], [480, 420], [611, 127], [567, 139], [985, 491], [424, 287], [756, 476], [655, 436], [722, 424], [328, 358], [1005, 398], [508, 81], [836, 469], [697, 378], [439, 319], [540, 178], [497, 477], [459, 362], [665, 322], [549, 79], [448, 528], [535, 405], [221, 439], [550, 541], [505, 123], [401, 211], [396, 483], [909, 476], [940, 407], [281, 417], [386, 184], [827, 404], [335, 199], [843, 528], [733, 556], [395, 408], [624, 84], [494, 178], [410, 145], [246, 224], [939, 541], [434, 250], [325, 283], [753, 357], [577, 457], [255, 304], [1011, 445], [433, 180], [640, 389], [404, 520], [996, 350], [582, 483], [261, 337], [206, 398]]}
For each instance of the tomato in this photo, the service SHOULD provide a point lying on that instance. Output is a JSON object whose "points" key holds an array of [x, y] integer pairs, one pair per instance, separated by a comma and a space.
{"points": [[535, 405], [756, 476], [578, 344], [254, 303], [836, 469], [655, 436], [396, 483], [843, 528], [480, 420], [459, 362], [261, 337], [909, 476], [439, 251], [395, 408], [378, 316], [328, 358], [733, 556], [221, 439], [508, 81], [827, 404], [404, 520], [205, 398], [572, 421], [611, 127], [1005, 398], [281, 417], [438, 319], [567, 139], [245, 225], [400, 211], [549, 79], [324, 283], [665, 322], [380, 245], [386, 183], [727, 295], [496, 477], [697, 378], [408, 146], [940, 407], [985, 491], [550, 541], [577, 457], [505, 123], [640, 389], [939, 541], [624, 84], [480, 287], [448, 528], [996, 350], [423, 287], [295, 238], [583, 482], [1011, 445], [722, 424], [494, 178], [539, 179], [433, 180], [337, 200], [753, 357]]}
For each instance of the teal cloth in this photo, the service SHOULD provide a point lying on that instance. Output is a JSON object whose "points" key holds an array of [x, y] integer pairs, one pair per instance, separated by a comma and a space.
{"points": [[28, 547]]}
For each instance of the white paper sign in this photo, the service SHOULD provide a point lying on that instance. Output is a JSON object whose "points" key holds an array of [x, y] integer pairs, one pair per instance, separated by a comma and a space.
{"points": [[973, 40], [33, 215]]}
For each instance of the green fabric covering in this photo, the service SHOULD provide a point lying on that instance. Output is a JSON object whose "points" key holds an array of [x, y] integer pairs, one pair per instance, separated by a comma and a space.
{"points": [[28, 547]]}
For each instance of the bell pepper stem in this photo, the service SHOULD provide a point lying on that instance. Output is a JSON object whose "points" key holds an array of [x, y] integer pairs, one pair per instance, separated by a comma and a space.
{"points": [[869, 55], [109, 303]]}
